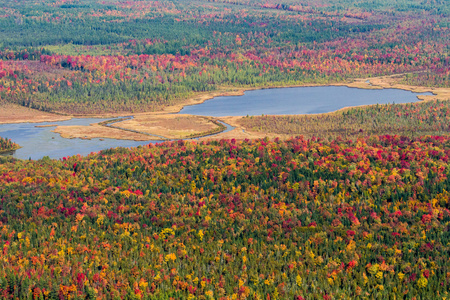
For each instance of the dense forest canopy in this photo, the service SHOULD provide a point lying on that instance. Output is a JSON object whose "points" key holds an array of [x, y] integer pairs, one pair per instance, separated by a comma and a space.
{"points": [[294, 219], [144, 55]]}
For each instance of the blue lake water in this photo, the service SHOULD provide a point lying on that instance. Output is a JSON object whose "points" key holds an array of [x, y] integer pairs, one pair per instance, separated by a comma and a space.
{"points": [[298, 100], [38, 142]]}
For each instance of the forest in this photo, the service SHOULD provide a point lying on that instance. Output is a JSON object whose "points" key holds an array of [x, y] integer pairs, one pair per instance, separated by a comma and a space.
{"points": [[346, 205], [411, 120], [282, 219], [84, 57]]}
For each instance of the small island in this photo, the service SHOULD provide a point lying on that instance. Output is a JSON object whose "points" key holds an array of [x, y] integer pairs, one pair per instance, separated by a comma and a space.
{"points": [[6, 145]]}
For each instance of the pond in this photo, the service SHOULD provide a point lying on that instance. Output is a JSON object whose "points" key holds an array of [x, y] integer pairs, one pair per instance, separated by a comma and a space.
{"points": [[297, 100]]}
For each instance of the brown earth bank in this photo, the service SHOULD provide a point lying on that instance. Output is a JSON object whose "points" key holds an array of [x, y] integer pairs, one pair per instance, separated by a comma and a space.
{"points": [[145, 127], [171, 126], [98, 131], [168, 125], [392, 82], [12, 113], [44, 126]]}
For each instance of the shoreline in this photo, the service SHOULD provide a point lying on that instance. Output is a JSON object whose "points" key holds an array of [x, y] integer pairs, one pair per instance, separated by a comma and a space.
{"points": [[162, 127], [226, 91], [22, 114], [2, 152]]}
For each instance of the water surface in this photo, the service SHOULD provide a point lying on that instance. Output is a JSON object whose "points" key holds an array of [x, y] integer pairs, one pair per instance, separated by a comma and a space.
{"points": [[298, 100], [39, 142]]}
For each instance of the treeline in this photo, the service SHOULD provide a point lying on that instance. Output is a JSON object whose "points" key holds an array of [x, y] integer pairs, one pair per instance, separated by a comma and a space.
{"points": [[23, 53]]}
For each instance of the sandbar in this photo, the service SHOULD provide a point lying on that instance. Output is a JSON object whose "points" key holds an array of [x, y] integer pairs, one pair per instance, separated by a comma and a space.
{"points": [[98, 131]]}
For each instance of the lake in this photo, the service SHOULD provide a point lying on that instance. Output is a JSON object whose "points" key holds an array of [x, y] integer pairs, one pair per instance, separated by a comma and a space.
{"points": [[38, 142], [297, 100]]}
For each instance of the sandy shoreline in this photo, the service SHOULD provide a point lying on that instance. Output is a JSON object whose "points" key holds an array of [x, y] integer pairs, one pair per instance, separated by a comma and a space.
{"points": [[169, 125], [13, 113]]}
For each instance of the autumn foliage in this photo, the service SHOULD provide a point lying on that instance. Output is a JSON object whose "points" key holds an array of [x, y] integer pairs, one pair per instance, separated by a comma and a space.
{"points": [[227, 219], [7, 145], [412, 119], [122, 67], [360, 213]]}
